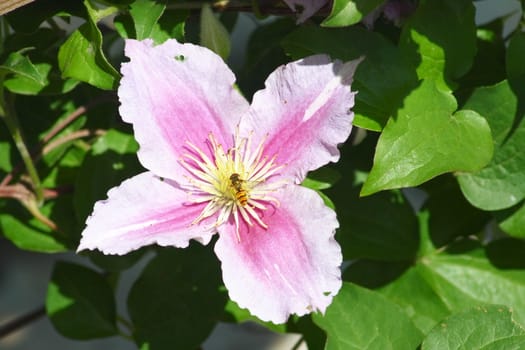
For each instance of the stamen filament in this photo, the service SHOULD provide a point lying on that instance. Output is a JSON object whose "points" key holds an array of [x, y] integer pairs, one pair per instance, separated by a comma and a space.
{"points": [[237, 182]]}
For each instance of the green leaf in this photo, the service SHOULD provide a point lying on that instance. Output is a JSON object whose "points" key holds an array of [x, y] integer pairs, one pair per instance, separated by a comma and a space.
{"points": [[33, 63], [498, 104], [52, 84], [348, 12], [145, 14], [214, 35], [80, 303], [426, 139], [27, 233], [176, 301], [443, 51], [512, 220], [22, 66], [81, 56], [467, 280], [419, 300], [112, 159], [356, 312], [501, 184], [377, 98], [170, 25], [483, 327]]}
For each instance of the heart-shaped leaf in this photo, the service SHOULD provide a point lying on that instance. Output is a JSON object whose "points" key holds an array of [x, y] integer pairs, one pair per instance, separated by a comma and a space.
{"points": [[425, 139]]}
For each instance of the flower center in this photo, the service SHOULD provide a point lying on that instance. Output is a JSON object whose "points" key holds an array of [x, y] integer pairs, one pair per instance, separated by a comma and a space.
{"points": [[233, 182]]}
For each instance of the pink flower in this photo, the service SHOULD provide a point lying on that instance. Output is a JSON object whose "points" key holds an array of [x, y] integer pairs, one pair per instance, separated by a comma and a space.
{"points": [[305, 8], [217, 164]]}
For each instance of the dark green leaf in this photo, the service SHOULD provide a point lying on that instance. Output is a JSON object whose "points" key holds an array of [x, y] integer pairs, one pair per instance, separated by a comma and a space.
{"points": [[425, 139], [451, 215], [176, 301], [381, 227], [80, 303], [507, 253], [112, 159], [443, 51], [321, 179], [515, 56], [356, 311], [28, 18], [263, 54], [489, 63]]}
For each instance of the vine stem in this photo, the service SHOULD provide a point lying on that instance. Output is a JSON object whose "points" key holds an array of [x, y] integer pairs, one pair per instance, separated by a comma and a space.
{"points": [[22, 321], [298, 343], [125, 323], [262, 8], [11, 120], [55, 131]]}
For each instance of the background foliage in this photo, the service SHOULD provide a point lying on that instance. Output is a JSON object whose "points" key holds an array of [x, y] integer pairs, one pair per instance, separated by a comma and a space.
{"points": [[430, 189]]}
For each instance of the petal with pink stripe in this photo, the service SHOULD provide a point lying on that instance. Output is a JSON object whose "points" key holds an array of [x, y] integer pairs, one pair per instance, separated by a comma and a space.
{"points": [[293, 267], [174, 93], [305, 112], [144, 210]]}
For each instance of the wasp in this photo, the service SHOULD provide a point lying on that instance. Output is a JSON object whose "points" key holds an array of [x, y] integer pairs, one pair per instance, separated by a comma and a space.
{"points": [[240, 193]]}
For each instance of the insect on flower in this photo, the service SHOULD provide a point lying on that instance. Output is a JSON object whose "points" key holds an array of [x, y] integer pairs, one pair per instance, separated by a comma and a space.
{"points": [[240, 193], [217, 164]]}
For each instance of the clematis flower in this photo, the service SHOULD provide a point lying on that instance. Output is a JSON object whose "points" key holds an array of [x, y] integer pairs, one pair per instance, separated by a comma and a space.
{"points": [[217, 164], [305, 8]]}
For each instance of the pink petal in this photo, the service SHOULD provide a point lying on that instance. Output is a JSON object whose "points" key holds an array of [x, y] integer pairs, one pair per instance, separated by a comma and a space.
{"points": [[173, 93], [306, 8], [291, 268], [305, 110], [143, 210]]}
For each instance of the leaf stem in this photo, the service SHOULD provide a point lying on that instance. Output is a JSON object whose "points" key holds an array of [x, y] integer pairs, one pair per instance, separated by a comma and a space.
{"points": [[426, 247]]}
